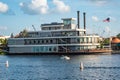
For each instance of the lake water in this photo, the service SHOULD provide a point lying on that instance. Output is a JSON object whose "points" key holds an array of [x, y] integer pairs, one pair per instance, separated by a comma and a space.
{"points": [[51, 67]]}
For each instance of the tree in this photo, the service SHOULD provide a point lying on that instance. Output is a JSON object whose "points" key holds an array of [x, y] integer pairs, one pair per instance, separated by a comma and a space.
{"points": [[23, 33], [105, 41], [3, 42], [118, 35], [3, 45]]}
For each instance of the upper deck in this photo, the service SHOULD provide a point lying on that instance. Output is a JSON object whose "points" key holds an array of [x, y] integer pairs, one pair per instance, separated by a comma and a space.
{"points": [[54, 29], [68, 23]]}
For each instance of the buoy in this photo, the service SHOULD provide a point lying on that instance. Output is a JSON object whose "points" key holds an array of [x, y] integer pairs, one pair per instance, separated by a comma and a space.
{"points": [[81, 66], [7, 64]]}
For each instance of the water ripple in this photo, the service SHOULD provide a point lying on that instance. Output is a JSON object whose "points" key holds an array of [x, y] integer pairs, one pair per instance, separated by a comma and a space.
{"points": [[96, 67]]}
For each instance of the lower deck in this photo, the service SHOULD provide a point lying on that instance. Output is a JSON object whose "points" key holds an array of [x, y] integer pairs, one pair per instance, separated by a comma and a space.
{"points": [[82, 52], [50, 48]]}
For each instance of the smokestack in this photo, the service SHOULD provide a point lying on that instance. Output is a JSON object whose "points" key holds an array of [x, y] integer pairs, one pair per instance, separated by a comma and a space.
{"points": [[78, 19], [84, 20]]}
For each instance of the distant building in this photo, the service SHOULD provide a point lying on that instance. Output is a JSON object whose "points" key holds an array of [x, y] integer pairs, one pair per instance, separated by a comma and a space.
{"points": [[4, 37], [115, 43]]}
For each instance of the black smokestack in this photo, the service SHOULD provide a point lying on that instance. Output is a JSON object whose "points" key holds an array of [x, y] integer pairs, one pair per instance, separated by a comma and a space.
{"points": [[84, 20], [78, 19]]}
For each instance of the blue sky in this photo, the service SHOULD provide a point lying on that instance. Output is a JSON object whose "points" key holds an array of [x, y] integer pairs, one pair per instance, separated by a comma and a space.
{"points": [[16, 15]]}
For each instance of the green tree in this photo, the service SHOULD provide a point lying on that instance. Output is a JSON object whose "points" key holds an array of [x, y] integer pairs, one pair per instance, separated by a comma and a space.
{"points": [[106, 41], [23, 33], [3, 42], [118, 35]]}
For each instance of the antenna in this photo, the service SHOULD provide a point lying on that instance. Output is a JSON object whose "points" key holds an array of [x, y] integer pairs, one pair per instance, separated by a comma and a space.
{"points": [[33, 27]]}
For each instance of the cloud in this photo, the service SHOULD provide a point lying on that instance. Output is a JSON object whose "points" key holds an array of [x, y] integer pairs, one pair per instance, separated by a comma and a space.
{"points": [[3, 7], [61, 6], [34, 7], [99, 2], [95, 18], [3, 28]]}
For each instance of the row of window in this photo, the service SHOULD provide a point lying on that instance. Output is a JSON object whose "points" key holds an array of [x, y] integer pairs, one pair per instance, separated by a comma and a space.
{"points": [[61, 41], [62, 48], [51, 28], [54, 34], [75, 48], [54, 41], [45, 49]]}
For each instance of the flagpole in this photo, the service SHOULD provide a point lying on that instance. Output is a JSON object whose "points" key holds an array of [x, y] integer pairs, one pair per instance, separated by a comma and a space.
{"points": [[109, 37], [110, 41], [108, 20]]}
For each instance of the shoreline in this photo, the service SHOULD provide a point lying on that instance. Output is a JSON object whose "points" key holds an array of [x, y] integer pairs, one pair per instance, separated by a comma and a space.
{"points": [[116, 52]]}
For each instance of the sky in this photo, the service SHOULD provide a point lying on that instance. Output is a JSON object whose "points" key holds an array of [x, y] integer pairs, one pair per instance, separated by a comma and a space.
{"points": [[16, 15]]}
